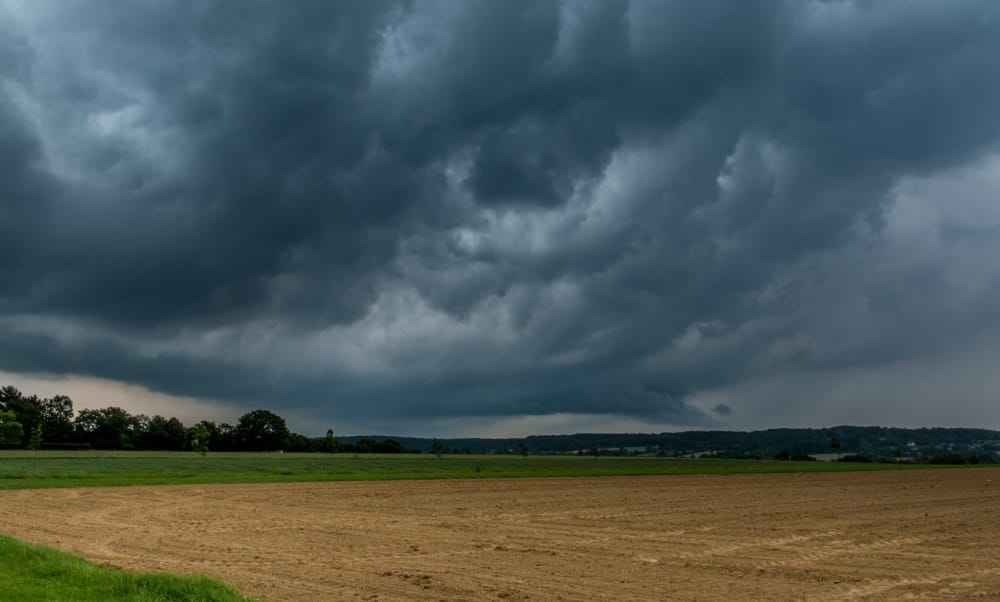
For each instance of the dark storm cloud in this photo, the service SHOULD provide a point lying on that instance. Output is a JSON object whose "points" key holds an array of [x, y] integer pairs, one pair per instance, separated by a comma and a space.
{"points": [[480, 208], [236, 169]]}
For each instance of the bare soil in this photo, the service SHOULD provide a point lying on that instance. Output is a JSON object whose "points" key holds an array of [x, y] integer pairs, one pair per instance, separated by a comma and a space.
{"points": [[926, 535]]}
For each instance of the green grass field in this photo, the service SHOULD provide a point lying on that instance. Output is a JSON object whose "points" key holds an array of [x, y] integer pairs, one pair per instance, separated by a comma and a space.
{"points": [[42, 574], [21, 469]]}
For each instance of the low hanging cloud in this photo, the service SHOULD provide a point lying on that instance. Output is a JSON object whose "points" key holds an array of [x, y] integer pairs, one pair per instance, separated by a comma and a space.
{"points": [[415, 215]]}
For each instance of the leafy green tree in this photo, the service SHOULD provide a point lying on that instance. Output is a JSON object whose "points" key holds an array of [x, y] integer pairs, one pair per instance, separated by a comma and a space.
{"points": [[35, 443], [522, 449], [28, 411], [57, 418], [161, 433], [330, 442], [298, 443], [223, 436], [437, 448], [262, 430], [107, 428], [11, 430], [8, 393], [200, 437]]}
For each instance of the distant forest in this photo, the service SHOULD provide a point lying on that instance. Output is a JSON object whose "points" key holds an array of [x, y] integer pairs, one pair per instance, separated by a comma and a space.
{"points": [[27, 421], [846, 443]]}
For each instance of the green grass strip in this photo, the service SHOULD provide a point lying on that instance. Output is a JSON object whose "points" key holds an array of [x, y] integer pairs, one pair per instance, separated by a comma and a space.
{"points": [[19, 470], [40, 574]]}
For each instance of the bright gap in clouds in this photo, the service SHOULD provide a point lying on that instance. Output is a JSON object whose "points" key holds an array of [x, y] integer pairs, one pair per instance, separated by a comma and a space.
{"points": [[94, 393]]}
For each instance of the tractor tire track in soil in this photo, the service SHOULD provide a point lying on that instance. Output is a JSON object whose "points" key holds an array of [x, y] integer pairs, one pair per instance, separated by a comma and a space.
{"points": [[922, 535]]}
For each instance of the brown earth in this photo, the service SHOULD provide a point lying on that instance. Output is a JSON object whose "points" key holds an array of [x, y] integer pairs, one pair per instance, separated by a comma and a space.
{"points": [[927, 535]]}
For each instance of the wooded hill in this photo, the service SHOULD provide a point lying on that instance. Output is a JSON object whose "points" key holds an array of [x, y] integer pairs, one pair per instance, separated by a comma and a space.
{"points": [[871, 441]]}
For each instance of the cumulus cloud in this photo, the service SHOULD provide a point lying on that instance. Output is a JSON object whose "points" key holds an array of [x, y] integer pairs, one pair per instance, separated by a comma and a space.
{"points": [[400, 214]]}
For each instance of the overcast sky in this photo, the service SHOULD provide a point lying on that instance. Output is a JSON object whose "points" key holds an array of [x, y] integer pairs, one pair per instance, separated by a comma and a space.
{"points": [[492, 217]]}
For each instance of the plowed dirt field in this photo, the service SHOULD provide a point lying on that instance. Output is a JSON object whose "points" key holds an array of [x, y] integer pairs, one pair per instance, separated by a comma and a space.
{"points": [[927, 535]]}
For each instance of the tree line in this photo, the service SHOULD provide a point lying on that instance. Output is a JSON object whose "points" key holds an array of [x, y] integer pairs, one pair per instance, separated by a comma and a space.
{"points": [[28, 421], [874, 442]]}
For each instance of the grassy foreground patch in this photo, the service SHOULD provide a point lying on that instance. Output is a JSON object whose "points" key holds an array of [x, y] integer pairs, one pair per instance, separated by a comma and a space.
{"points": [[22, 470], [42, 574]]}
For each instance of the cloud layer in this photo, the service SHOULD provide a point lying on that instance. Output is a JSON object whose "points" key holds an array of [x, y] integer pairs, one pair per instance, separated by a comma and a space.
{"points": [[396, 214]]}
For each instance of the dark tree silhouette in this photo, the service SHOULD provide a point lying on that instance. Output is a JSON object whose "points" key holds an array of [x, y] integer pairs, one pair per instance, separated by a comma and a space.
{"points": [[261, 430]]}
